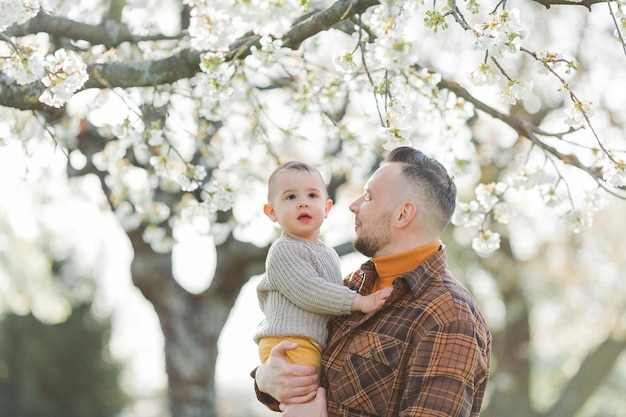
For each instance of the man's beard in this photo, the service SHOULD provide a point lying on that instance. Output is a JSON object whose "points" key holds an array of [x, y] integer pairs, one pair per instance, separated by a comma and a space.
{"points": [[370, 243]]}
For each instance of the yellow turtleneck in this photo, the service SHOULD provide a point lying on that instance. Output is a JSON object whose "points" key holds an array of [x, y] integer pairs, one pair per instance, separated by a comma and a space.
{"points": [[389, 267]]}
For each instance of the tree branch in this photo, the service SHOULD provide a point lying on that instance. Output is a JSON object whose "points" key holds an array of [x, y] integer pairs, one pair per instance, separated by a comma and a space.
{"points": [[109, 33], [585, 3], [237, 261], [181, 65], [596, 366], [530, 132]]}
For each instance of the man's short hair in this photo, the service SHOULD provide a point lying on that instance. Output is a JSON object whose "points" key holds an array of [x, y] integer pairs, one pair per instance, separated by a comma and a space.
{"points": [[431, 178]]}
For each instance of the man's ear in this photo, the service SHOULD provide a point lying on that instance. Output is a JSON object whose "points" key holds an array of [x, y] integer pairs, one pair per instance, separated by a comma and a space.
{"points": [[329, 205], [269, 212], [405, 214]]}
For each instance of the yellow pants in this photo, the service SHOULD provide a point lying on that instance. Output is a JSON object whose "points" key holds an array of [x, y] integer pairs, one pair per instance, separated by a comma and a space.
{"points": [[309, 352]]}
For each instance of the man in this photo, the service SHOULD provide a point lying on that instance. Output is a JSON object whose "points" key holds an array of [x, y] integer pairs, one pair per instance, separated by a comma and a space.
{"points": [[426, 351]]}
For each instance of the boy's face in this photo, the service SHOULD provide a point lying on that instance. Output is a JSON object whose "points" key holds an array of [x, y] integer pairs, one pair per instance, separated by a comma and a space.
{"points": [[299, 204]]}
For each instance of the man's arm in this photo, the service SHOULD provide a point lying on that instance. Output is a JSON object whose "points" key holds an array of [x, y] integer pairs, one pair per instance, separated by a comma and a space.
{"points": [[279, 381], [446, 373]]}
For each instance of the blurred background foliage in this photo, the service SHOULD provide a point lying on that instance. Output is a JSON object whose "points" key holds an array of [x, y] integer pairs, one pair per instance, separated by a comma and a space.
{"points": [[59, 370]]}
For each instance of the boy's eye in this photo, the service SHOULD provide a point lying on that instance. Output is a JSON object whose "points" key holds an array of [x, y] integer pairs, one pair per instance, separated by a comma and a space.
{"points": [[367, 197], [312, 195], [291, 197]]}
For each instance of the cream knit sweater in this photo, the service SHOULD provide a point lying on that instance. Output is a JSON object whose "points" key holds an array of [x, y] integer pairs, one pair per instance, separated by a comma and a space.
{"points": [[302, 288]]}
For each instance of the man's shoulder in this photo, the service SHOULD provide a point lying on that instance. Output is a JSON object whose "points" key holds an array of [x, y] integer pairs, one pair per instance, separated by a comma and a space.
{"points": [[447, 298]]}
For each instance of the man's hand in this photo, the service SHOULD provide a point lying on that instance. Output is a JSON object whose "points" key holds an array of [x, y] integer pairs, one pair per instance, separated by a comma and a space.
{"points": [[286, 382], [315, 408]]}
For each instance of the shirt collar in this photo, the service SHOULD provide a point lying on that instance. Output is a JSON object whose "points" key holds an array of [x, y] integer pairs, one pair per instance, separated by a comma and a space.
{"points": [[417, 279]]}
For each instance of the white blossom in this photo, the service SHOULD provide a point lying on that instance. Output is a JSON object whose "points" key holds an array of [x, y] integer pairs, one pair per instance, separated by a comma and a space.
{"points": [[468, 214], [218, 197], [212, 28], [501, 35], [393, 138], [486, 243], [273, 17], [25, 65], [17, 11], [393, 52], [161, 164], [129, 130], [158, 239], [550, 195], [577, 220], [215, 25], [214, 88], [345, 62], [194, 213], [220, 232], [614, 173], [530, 176], [501, 212], [547, 61], [158, 213], [489, 194], [516, 90], [107, 159], [191, 177], [65, 74], [460, 166], [595, 200], [154, 136], [483, 76], [268, 54], [578, 113], [127, 216]]}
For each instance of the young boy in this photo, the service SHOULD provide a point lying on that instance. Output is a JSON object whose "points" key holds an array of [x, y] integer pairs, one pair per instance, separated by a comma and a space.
{"points": [[302, 287]]}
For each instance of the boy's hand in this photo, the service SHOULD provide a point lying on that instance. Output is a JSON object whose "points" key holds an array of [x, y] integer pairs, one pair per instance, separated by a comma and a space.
{"points": [[368, 303]]}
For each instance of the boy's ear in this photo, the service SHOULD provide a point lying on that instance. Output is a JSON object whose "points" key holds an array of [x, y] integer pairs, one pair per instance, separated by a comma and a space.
{"points": [[269, 212], [329, 205]]}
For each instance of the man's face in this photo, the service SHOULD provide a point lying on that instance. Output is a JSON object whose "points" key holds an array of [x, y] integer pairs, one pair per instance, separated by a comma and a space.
{"points": [[373, 212]]}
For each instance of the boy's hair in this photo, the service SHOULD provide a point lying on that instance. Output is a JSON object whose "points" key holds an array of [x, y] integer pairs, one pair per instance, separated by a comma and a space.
{"points": [[296, 166], [432, 180]]}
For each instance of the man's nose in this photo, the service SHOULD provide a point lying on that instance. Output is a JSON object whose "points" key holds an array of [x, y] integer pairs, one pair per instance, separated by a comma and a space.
{"points": [[354, 206]]}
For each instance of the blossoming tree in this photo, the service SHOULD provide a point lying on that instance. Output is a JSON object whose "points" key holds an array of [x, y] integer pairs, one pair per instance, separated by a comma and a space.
{"points": [[182, 109]]}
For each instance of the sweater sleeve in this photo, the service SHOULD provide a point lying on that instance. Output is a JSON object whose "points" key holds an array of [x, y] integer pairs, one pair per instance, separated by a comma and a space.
{"points": [[290, 270]]}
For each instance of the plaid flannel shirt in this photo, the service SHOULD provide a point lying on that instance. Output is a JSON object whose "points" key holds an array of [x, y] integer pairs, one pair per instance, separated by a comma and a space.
{"points": [[426, 352]]}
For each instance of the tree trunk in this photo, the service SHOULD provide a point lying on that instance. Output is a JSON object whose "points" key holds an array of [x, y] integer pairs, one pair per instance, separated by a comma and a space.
{"points": [[510, 379], [192, 323]]}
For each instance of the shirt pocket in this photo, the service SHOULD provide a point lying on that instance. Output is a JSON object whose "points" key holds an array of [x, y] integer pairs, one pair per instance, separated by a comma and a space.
{"points": [[368, 377]]}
